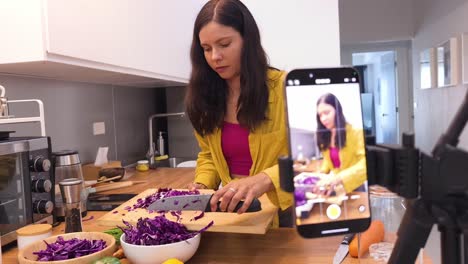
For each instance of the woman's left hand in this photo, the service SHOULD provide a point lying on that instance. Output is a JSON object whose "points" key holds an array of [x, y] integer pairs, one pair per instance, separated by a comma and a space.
{"points": [[246, 190]]}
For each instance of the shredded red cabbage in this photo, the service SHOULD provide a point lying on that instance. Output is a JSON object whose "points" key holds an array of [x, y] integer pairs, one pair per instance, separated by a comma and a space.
{"points": [[177, 214], [199, 216], [159, 194], [87, 219], [68, 249], [157, 231], [299, 195], [309, 180]]}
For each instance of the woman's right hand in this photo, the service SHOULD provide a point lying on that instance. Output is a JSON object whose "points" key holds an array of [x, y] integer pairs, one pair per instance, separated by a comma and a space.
{"points": [[195, 186]]}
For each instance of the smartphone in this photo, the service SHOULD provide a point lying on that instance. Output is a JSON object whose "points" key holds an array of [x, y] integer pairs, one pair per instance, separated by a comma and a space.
{"points": [[327, 147]]}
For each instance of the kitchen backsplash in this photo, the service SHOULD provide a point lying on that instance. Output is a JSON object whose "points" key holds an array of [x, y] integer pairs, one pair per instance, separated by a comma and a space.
{"points": [[182, 142], [71, 108]]}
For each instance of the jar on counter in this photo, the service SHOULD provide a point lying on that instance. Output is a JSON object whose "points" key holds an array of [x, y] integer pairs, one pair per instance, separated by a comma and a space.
{"points": [[142, 165], [31, 233], [387, 207]]}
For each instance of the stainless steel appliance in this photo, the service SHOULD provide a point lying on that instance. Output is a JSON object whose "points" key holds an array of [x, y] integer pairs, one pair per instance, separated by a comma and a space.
{"points": [[26, 181]]}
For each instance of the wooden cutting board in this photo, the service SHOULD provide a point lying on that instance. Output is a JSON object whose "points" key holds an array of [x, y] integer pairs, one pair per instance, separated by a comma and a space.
{"points": [[249, 223]]}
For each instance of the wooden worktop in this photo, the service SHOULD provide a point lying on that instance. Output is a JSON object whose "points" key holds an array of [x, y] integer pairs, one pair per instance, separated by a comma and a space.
{"points": [[281, 245]]}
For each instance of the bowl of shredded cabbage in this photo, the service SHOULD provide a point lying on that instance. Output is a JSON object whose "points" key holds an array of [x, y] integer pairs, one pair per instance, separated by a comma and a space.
{"points": [[71, 248], [155, 240]]}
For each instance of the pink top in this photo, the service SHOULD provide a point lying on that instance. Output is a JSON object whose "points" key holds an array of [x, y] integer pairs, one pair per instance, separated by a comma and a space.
{"points": [[235, 145], [335, 157]]}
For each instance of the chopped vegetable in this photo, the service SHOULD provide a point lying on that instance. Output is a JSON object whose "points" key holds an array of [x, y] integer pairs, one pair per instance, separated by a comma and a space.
{"points": [[157, 231], [159, 194], [199, 216], [309, 180], [68, 249], [299, 195], [174, 213], [107, 260], [87, 219], [116, 233]]}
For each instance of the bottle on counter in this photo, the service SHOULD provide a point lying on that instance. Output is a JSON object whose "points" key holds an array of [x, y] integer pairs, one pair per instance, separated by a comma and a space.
{"points": [[161, 144], [71, 192], [301, 159]]}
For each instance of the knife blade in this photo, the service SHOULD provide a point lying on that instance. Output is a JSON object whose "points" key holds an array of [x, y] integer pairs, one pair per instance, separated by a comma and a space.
{"points": [[196, 202], [343, 249]]}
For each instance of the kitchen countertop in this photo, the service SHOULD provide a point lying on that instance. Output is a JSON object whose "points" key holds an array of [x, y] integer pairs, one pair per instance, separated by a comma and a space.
{"points": [[282, 245]]}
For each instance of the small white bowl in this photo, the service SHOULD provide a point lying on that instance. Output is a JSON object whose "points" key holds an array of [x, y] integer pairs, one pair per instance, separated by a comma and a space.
{"points": [[182, 251]]}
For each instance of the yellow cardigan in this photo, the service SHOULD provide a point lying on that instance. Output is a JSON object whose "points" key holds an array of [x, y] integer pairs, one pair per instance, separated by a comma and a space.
{"points": [[266, 143], [353, 160]]}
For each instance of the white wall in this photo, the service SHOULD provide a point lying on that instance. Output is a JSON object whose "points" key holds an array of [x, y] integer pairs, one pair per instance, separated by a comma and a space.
{"points": [[71, 108], [302, 108], [436, 22], [299, 33], [364, 21]]}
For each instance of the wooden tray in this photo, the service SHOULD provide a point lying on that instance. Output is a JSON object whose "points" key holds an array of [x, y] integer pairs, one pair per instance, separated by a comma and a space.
{"points": [[249, 223]]}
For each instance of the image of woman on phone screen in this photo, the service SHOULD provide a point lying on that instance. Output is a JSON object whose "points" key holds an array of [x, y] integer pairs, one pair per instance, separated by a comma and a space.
{"points": [[342, 148]]}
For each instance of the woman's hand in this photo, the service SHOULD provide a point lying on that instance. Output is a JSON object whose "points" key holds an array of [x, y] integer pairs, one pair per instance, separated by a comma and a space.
{"points": [[195, 186], [328, 188], [245, 189]]}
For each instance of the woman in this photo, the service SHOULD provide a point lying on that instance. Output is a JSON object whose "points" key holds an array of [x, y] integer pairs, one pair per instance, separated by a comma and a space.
{"points": [[235, 104], [342, 146]]}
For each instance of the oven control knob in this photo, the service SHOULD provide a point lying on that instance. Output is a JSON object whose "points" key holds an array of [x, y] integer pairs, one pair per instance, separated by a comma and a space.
{"points": [[43, 207], [40, 164], [41, 186]]}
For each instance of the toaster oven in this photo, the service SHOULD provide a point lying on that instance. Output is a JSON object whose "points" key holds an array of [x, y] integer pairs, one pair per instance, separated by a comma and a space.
{"points": [[26, 181]]}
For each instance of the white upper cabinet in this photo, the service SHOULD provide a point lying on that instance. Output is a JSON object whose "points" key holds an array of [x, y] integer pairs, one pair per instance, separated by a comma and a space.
{"points": [[298, 33], [125, 42]]}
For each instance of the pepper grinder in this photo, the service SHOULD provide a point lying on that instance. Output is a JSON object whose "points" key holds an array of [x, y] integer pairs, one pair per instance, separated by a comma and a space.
{"points": [[71, 194]]}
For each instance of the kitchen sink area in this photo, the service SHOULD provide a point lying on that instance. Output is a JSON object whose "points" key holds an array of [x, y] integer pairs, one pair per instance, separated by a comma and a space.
{"points": [[174, 161]]}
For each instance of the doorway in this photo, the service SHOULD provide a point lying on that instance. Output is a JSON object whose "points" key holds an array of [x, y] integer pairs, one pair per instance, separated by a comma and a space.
{"points": [[379, 94], [386, 94]]}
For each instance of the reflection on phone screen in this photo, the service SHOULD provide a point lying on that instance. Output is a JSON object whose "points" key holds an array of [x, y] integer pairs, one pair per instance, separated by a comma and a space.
{"points": [[327, 146]]}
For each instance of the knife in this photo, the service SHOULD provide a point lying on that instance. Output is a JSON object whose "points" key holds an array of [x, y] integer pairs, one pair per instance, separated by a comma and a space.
{"points": [[343, 249], [196, 202]]}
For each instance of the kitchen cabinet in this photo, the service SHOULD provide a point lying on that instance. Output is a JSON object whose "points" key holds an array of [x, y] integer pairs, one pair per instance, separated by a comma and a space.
{"points": [[144, 43], [299, 33]]}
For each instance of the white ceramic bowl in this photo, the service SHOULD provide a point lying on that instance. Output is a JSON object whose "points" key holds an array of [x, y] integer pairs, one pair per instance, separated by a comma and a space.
{"points": [[182, 251]]}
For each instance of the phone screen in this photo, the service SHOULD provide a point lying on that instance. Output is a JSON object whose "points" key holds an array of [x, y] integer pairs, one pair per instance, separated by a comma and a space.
{"points": [[326, 140]]}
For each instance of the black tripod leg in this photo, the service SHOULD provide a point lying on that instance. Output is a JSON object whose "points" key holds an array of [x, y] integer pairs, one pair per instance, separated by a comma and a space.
{"points": [[463, 224], [465, 246], [450, 245], [412, 234]]}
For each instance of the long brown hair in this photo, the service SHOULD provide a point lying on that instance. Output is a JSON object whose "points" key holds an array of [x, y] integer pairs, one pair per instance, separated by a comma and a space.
{"points": [[205, 100], [324, 134]]}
